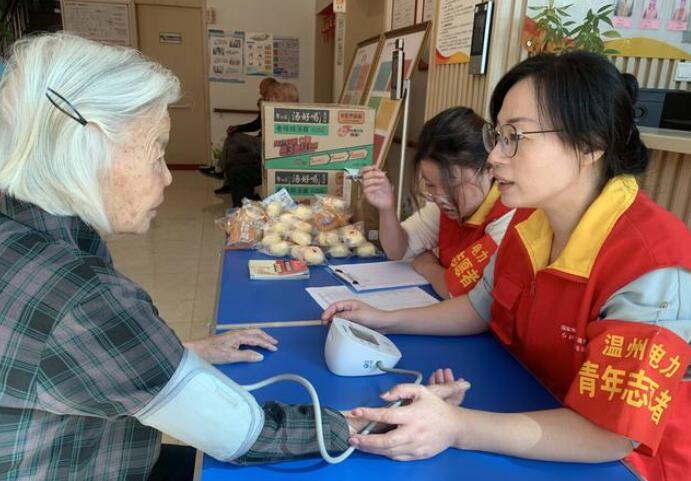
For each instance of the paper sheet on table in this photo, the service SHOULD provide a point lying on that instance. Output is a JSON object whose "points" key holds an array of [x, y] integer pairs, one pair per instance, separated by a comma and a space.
{"points": [[386, 300], [378, 275]]}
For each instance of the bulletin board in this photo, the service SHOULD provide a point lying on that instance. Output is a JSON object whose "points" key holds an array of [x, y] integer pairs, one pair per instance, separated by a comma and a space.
{"points": [[360, 71], [378, 91], [107, 21]]}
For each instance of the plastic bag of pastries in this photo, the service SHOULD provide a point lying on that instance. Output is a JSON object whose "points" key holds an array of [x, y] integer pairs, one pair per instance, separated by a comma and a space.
{"points": [[329, 213]]}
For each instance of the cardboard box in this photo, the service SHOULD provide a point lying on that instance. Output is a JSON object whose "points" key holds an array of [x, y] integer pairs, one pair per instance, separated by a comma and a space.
{"points": [[317, 137]]}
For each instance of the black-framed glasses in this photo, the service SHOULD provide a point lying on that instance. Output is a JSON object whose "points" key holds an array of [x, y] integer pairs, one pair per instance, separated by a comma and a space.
{"points": [[64, 106], [507, 136]]}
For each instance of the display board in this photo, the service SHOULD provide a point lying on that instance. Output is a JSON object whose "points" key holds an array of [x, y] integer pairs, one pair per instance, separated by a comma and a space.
{"points": [[102, 21], [360, 71], [378, 91]]}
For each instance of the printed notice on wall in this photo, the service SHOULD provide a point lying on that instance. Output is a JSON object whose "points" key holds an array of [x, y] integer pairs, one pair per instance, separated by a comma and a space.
{"points": [[428, 10], [403, 13], [103, 22], [226, 56], [286, 57], [259, 57], [455, 31]]}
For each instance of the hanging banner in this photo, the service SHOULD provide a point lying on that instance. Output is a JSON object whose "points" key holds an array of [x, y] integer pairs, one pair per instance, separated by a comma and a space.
{"points": [[455, 31]]}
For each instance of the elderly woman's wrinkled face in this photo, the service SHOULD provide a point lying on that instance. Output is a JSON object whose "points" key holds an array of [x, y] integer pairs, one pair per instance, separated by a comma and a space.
{"points": [[139, 174]]}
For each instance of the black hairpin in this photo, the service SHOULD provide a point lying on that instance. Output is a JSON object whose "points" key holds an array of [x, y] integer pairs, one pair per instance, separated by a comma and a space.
{"points": [[74, 114]]}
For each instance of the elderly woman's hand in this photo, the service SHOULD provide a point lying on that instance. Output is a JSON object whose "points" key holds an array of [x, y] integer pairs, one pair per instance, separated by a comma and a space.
{"points": [[225, 348]]}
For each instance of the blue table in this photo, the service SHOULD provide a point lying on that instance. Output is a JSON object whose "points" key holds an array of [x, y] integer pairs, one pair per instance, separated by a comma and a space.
{"points": [[243, 300], [499, 384]]}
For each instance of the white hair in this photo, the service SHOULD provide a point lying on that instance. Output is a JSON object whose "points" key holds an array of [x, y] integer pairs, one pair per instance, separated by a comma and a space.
{"points": [[51, 160]]}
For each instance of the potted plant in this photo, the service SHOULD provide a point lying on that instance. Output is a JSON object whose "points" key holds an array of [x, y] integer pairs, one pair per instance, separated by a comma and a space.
{"points": [[552, 30]]}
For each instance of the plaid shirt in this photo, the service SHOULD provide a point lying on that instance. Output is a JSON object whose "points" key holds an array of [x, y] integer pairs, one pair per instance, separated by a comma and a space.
{"points": [[82, 349]]}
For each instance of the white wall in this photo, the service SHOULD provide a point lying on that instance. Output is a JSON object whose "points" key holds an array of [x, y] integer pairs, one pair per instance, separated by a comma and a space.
{"points": [[294, 18]]}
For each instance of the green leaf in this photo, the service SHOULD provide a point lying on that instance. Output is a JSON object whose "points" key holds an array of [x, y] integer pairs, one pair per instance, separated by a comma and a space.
{"points": [[604, 8], [611, 51], [611, 34], [607, 21]]}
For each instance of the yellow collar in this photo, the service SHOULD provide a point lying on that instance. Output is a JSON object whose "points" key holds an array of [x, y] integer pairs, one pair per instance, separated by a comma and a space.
{"points": [[479, 216], [578, 257]]}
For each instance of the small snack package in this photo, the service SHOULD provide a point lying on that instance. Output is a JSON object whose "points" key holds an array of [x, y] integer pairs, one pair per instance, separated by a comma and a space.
{"points": [[243, 232], [353, 235], [311, 255], [339, 251], [278, 202], [366, 249], [329, 213], [280, 248], [328, 238]]}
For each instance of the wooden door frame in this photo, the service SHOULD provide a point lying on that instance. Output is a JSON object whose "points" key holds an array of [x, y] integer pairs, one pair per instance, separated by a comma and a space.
{"points": [[201, 4]]}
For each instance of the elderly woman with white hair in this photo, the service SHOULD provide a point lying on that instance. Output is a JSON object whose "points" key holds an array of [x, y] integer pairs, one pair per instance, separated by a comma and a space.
{"points": [[89, 373]]}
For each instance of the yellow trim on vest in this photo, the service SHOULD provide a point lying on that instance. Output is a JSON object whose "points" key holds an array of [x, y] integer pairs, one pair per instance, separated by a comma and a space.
{"points": [[578, 257], [479, 216]]}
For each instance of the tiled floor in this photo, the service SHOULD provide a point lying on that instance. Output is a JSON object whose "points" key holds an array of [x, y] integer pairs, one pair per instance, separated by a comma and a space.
{"points": [[178, 259]]}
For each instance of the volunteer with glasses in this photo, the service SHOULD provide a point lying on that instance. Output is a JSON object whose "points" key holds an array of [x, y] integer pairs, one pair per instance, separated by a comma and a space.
{"points": [[590, 288], [462, 217]]}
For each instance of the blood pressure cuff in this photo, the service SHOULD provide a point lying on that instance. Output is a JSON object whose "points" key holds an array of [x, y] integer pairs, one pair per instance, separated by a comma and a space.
{"points": [[205, 409], [630, 380]]}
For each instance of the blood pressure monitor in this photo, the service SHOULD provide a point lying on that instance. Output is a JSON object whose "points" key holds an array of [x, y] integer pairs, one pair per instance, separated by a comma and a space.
{"points": [[355, 350]]}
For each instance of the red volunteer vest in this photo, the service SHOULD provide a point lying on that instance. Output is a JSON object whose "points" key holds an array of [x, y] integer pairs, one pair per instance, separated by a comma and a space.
{"points": [[623, 376], [466, 249]]}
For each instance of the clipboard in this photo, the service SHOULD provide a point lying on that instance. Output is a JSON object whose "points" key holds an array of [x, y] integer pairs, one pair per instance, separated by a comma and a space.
{"points": [[378, 275]]}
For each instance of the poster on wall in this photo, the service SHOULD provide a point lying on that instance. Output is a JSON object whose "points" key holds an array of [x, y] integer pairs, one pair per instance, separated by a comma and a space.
{"points": [[650, 18], [286, 57], [356, 80], [427, 10], [680, 16], [259, 53], [378, 92], [455, 31], [639, 22], [623, 13], [403, 13], [103, 22], [226, 56]]}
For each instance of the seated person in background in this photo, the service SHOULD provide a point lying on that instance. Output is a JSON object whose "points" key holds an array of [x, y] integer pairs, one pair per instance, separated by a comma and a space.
{"points": [[463, 216], [90, 374], [590, 288], [242, 166], [237, 139]]}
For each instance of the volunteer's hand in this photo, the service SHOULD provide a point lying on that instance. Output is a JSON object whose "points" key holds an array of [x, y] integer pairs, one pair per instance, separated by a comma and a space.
{"points": [[231, 129], [377, 188], [443, 383], [225, 348], [359, 312], [425, 427]]}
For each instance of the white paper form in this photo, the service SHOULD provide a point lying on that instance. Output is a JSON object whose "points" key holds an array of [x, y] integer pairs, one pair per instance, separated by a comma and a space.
{"points": [[385, 300], [379, 275]]}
